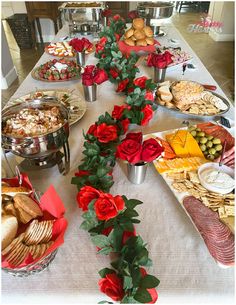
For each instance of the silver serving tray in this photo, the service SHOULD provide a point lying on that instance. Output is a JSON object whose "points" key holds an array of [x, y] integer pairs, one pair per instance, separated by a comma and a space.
{"points": [[200, 115]]}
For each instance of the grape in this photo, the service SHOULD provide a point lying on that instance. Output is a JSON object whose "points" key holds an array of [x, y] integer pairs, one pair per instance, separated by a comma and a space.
{"points": [[203, 147], [216, 155], [198, 129], [209, 144], [212, 151], [216, 141], [193, 133], [218, 147], [197, 139], [203, 140]]}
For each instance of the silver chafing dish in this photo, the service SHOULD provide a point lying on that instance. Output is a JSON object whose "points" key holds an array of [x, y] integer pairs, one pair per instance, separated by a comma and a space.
{"points": [[83, 17], [41, 148], [155, 11]]}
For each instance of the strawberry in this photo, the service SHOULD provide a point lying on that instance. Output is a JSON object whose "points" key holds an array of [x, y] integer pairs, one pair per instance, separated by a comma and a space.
{"points": [[63, 71], [54, 61], [51, 77], [63, 75]]}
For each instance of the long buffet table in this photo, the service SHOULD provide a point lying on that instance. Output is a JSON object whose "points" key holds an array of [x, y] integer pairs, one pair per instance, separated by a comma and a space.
{"points": [[181, 261]]}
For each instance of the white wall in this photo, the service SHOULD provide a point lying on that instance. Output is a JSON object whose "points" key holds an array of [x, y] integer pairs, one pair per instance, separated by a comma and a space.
{"points": [[8, 71], [223, 11]]}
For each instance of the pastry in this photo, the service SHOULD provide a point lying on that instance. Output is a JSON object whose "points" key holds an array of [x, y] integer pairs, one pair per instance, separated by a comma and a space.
{"points": [[138, 23], [148, 31], [13, 190], [129, 42], [139, 34], [129, 33], [150, 41], [141, 42], [133, 38]]}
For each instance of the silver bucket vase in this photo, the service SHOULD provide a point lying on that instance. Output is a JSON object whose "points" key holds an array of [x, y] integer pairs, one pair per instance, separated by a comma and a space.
{"points": [[137, 172], [90, 93], [159, 75], [80, 58]]}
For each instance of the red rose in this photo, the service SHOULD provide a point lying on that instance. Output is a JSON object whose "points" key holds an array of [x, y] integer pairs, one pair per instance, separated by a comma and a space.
{"points": [[114, 73], [106, 13], [141, 82], [85, 196], [107, 206], [118, 111], [112, 286], [151, 291], [129, 150], [125, 124], [82, 173], [89, 69], [151, 150], [148, 114], [100, 45], [137, 136], [87, 79], [149, 60], [92, 129], [106, 133], [130, 90], [122, 85], [100, 76], [116, 17], [149, 96]]}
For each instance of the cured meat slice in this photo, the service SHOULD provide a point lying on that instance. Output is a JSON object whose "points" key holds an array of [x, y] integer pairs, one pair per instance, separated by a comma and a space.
{"points": [[218, 132], [217, 236]]}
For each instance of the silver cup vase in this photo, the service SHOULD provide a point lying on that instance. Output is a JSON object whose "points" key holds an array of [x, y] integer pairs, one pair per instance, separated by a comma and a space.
{"points": [[159, 75], [90, 93], [137, 172], [80, 58]]}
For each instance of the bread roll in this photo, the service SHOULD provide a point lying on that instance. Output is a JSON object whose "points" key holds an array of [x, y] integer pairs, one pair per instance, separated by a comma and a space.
{"points": [[129, 42], [133, 38], [141, 42], [150, 41], [148, 31], [138, 23], [9, 229], [129, 33], [139, 34]]}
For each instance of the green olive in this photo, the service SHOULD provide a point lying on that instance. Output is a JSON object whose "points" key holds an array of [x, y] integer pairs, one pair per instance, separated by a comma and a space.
{"points": [[210, 138], [212, 151], [209, 144], [211, 157], [201, 134], [216, 141], [218, 147], [198, 129], [191, 127], [203, 140], [197, 139], [203, 147], [193, 133]]}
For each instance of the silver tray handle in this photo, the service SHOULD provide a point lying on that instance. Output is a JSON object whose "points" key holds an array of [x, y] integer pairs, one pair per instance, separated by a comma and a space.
{"points": [[26, 143]]}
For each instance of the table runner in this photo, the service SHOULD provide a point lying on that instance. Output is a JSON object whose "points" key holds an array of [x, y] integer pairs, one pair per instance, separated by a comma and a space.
{"points": [[181, 261]]}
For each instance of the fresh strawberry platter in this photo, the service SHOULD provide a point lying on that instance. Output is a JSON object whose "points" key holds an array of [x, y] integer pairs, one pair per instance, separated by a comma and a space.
{"points": [[57, 70]]}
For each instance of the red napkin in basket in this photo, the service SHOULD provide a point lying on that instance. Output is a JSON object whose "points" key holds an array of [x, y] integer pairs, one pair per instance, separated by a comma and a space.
{"points": [[53, 208], [125, 49]]}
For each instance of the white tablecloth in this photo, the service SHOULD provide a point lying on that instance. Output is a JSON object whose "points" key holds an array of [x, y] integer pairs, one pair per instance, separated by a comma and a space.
{"points": [[181, 261]]}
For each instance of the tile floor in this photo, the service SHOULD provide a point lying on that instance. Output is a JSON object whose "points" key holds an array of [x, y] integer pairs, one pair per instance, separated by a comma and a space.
{"points": [[218, 57]]}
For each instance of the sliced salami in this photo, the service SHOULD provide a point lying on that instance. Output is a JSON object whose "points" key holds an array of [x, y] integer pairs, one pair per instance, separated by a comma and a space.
{"points": [[217, 236]]}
